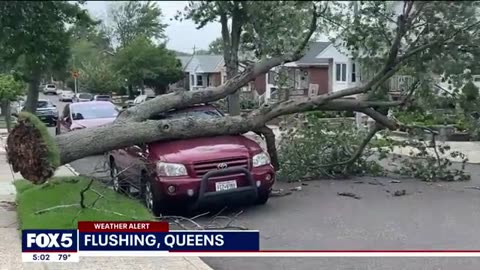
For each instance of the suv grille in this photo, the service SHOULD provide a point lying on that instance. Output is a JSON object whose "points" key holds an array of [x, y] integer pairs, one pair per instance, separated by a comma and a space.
{"points": [[202, 168]]}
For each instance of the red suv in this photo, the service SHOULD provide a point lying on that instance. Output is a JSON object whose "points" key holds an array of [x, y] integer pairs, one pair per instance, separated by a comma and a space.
{"points": [[194, 172]]}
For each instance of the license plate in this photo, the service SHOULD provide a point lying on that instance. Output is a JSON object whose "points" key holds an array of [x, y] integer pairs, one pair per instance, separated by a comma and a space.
{"points": [[225, 185]]}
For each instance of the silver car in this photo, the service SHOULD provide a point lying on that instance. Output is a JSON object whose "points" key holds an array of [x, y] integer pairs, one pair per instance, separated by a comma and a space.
{"points": [[66, 96], [50, 89], [82, 97]]}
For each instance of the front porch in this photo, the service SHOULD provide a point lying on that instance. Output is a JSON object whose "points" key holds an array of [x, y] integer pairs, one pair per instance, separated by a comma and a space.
{"points": [[301, 81]]}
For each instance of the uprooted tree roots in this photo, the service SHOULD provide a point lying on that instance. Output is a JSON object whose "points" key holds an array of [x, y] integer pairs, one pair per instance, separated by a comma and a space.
{"points": [[24, 157]]}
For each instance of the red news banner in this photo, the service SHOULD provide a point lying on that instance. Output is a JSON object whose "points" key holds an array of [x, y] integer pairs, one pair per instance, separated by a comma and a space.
{"points": [[115, 226]]}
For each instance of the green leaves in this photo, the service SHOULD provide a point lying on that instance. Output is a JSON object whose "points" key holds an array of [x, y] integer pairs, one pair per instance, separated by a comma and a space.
{"points": [[141, 61], [134, 18], [37, 30], [264, 27], [10, 88], [314, 150]]}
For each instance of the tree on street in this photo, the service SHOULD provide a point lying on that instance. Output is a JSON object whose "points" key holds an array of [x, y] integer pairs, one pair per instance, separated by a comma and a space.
{"points": [[411, 40]]}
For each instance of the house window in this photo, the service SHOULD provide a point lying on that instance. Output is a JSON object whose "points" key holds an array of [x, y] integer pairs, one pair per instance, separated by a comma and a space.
{"points": [[341, 72], [354, 73], [199, 80], [271, 77]]}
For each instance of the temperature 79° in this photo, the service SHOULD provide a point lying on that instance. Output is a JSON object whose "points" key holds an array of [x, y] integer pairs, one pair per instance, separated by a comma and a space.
{"points": [[63, 257]]}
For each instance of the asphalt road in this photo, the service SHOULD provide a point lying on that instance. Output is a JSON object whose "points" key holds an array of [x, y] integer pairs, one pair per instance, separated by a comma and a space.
{"points": [[430, 216]]}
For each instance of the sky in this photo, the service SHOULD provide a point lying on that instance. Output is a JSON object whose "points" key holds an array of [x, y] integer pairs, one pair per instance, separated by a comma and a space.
{"points": [[182, 36]]}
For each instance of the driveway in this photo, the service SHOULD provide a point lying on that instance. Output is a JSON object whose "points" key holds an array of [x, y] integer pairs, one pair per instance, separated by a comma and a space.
{"points": [[430, 216]]}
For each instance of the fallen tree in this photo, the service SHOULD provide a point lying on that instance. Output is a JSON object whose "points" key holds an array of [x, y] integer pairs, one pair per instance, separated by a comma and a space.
{"points": [[36, 155]]}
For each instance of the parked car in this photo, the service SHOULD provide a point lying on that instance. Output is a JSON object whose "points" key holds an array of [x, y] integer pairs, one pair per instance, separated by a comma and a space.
{"points": [[194, 172], [102, 98], [128, 104], [66, 95], [50, 89], [59, 92], [82, 97], [86, 114], [142, 98], [46, 111]]}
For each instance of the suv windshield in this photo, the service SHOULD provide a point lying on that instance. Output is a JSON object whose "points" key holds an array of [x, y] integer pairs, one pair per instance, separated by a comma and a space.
{"points": [[50, 86], [43, 104], [93, 112], [84, 96]]}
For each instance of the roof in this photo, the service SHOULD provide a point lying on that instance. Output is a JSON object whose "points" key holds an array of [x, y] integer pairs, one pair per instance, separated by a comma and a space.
{"points": [[208, 63], [202, 63], [314, 49], [184, 60]]}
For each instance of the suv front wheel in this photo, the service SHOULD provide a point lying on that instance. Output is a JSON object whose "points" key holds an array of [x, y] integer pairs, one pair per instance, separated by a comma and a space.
{"points": [[117, 183], [150, 199]]}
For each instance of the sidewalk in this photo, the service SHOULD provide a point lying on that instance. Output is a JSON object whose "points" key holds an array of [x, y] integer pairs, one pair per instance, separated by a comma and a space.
{"points": [[10, 246], [470, 149]]}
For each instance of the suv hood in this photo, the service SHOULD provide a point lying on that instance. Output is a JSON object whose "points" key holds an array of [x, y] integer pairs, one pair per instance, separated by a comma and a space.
{"points": [[86, 123], [203, 149]]}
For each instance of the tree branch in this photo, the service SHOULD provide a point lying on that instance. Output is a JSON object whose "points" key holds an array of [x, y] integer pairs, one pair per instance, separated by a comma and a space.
{"points": [[184, 99], [271, 145], [358, 153]]}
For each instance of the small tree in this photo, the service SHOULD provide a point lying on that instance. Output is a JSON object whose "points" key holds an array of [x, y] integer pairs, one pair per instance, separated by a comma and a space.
{"points": [[145, 64], [10, 89], [469, 97]]}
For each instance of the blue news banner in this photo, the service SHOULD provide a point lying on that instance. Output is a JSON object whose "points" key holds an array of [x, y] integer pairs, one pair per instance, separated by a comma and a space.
{"points": [[69, 245]]}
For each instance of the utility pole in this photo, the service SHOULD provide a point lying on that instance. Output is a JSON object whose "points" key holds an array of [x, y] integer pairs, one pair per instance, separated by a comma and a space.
{"points": [[76, 91]]}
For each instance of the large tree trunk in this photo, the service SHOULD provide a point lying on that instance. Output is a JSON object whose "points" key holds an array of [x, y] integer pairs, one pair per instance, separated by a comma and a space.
{"points": [[8, 118], [233, 99], [32, 95], [36, 155], [231, 44]]}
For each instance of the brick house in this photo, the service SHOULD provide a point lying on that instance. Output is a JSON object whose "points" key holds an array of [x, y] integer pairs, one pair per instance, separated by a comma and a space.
{"points": [[323, 69], [202, 71]]}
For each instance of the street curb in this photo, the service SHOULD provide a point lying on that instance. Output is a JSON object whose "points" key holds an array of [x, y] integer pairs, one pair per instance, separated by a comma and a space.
{"points": [[71, 169]]}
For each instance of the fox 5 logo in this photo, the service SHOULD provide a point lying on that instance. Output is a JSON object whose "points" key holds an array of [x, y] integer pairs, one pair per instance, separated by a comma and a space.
{"points": [[49, 240]]}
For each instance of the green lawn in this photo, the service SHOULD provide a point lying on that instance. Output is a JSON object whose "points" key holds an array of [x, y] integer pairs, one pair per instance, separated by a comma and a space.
{"points": [[65, 191]]}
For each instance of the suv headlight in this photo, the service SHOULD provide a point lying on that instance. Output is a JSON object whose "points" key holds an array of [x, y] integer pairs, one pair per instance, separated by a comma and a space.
{"points": [[171, 169], [260, 159]]}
